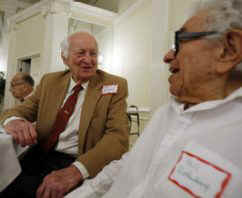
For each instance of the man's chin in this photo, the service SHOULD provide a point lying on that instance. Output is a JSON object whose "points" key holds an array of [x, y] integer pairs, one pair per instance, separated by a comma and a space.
{"points": [[180, 96], [85, 77], [188, 100], [175, 92]]}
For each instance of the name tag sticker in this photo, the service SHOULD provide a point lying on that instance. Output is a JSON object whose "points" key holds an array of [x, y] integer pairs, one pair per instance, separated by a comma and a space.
{"points": [[199, 177], [109, 89]]}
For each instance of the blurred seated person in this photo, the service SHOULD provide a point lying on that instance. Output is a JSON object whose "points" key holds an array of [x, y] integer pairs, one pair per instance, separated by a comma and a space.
{"points": [[192, 145], [22, 85]]}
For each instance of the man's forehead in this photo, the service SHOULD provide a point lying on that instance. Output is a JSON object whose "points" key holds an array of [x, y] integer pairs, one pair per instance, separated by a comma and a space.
{"points": [[196, 23], [83, 44], [17, 78], [82, 37], [17, 81]]}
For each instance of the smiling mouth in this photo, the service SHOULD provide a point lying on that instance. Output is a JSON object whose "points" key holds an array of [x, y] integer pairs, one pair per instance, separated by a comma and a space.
{"points": [[87, 67]]}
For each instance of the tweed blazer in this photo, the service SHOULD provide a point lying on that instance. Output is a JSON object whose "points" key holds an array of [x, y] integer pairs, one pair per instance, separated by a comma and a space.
{"points": [[103, 131]]}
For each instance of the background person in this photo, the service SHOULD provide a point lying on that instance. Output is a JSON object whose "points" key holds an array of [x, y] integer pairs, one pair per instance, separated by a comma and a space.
{"points": [[22, 85]]}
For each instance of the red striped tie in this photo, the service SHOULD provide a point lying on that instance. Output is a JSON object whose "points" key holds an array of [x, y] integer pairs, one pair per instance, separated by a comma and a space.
{"points": [[62, 119]]}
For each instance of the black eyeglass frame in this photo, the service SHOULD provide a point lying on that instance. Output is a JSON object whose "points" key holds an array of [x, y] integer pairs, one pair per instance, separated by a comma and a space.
{"points": [[180, 35]]}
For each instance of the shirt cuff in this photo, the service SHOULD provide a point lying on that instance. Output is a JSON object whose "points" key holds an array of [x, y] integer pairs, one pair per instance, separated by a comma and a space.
{"points": [[12, 118], [82, 169]]}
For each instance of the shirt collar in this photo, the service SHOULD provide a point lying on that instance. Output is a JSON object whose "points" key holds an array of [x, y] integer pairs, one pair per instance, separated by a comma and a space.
{"points": [[179, 107], [73, 83], [27, 96]]}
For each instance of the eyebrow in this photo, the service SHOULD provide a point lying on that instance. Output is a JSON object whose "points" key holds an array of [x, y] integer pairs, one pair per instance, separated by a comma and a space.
{"points": [[17, 82], [82, 49]]}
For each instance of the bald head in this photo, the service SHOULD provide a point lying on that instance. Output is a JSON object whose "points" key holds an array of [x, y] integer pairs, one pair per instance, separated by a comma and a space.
{"points": [[21, 85], [23, 76], [81, 35], [18, 76]]}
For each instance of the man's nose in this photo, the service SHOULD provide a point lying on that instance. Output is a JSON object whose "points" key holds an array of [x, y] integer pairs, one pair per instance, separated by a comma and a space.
{"points": [[87, 58], [169, 56]]}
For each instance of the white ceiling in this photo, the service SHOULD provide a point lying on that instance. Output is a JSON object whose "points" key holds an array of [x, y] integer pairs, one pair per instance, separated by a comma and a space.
{"points": [[111, 5], [30, 1], [10, 7]]}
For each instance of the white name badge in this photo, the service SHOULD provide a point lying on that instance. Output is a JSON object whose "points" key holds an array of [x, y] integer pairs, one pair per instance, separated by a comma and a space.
{"points": [[109, 89], [199, 177]]}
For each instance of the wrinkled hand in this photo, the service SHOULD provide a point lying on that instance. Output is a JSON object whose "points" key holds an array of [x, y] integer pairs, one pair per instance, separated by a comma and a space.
{"points": [[58, 183], [22, 132]]}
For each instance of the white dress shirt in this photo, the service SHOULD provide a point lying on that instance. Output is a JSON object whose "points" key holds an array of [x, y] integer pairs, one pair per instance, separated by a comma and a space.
{"points": [[182, 153], [68, 139]]}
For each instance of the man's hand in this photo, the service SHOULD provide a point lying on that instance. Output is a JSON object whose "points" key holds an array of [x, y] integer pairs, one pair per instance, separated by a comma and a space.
{"points": [[58, 183], [22, 132]]}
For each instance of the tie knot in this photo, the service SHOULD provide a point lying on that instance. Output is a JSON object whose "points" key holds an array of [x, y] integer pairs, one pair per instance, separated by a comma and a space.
{"points": [[77, 88]]}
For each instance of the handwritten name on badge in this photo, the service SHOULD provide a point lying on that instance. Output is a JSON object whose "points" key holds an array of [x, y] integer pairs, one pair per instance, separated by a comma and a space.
{"points": [[198, 177], [109, 89]]}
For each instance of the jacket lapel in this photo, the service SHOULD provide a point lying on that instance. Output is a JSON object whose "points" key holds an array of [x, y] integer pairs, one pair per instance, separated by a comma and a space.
{"points": [[92, 96], [55, 93], [58, 92]]}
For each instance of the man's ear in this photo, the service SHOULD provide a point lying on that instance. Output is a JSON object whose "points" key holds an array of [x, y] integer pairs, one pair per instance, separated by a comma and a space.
{"points": [[231, 51], [63, 58]]}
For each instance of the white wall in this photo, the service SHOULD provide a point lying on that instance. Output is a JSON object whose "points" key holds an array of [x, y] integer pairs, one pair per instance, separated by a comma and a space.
{"points": [[76, 26], [9, 7], [105, 44], [4, 50], [160, 45], [25, 41], [30, 36], [132, 52]]}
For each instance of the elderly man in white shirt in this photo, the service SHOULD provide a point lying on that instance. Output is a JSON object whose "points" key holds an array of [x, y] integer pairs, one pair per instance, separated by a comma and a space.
{"points": [[192, 146]]}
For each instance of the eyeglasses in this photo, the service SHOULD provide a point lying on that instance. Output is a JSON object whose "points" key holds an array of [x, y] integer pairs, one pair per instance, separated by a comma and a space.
{"points": [[180, 35]]}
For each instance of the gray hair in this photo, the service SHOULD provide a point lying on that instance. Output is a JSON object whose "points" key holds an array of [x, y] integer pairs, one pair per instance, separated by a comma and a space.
{"points": [[222, 16], [65, 47], [65, 44]]}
